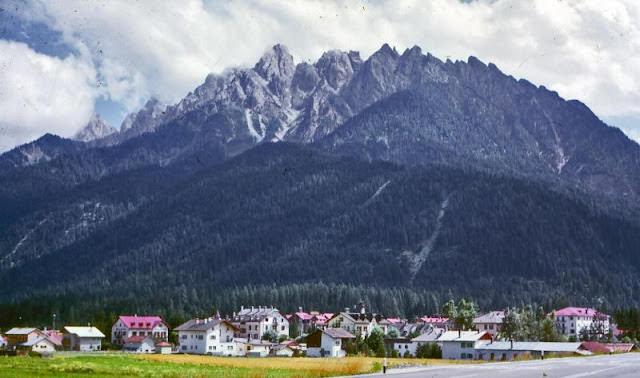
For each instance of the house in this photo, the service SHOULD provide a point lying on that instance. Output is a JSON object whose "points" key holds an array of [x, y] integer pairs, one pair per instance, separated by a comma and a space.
{"points": [[3, 342], [511, 350], [282, 350], [322, 319], [490, 322], [327, 343], [127, 326], [207, 336], [27, 339], [83, 339], [254, 322], [460, 345], [253, 347], [41, 344], [359, 323], [411, 329], [140, 344], [164, 347], [54, 335], [571, 321]]}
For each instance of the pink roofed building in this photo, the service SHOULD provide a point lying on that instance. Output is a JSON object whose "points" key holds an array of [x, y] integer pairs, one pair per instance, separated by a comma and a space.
{"points": [[435, 321], [570, 321], [306, 321], [129, 326]]}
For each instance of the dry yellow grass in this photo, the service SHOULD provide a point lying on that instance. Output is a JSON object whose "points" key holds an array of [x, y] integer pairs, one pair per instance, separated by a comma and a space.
{"points": [[299, 367]]}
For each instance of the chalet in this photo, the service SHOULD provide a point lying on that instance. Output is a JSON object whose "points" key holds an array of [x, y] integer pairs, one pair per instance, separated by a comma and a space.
{"points": [[25, 340], [512, 350], [570, 321], [462, 344], [254, 322], [359, 323], [140, 344], [83, 339], [128, 326], [322, 319], [308, 321], [490, 322], [328, 342], [207, 336]]}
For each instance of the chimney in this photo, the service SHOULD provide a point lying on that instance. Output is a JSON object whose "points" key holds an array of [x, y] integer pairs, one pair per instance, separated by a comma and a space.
{"points": [[459, 333], [241, 308], [346, 309], [300, 309]]}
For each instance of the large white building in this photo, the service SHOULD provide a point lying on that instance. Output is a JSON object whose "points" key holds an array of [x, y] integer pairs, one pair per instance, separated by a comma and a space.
{"points": [[128, 326], [570, 321], [358, 323], [461, 345], [207, 336], [83, 339], [253, 322]]}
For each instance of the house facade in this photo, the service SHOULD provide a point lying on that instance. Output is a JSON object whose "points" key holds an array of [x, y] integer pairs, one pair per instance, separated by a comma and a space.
{"points": [[513, 350], [207, 336], [327, 343], [128, 326], [490, 322], [254, 322], [461, 345], [570, 321], [358, 323], [83, 339]]}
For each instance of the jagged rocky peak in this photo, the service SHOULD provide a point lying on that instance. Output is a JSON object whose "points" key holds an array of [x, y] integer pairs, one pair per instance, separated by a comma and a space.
{"points": [[337, 67], [144, 119], [276, 63], [96, 128]]}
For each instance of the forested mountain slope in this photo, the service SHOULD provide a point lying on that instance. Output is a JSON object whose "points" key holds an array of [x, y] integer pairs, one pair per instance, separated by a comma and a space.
{"points": [[284, 214]]}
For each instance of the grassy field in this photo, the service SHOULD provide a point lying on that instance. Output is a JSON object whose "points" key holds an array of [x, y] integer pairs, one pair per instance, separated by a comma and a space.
{"points": [[121, 365]]}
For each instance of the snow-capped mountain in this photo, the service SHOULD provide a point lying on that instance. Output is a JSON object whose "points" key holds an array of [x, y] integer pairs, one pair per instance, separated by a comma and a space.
{"points": [[96, 128]]}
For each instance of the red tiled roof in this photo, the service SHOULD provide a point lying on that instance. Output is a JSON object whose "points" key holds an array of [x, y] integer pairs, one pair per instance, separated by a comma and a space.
{"points": [[394, 320], [163, 344], [303, 315], [145, 322]]}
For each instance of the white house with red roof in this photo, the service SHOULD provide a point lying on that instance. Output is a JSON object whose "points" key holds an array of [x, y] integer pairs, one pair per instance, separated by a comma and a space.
{"points": [[128, 326], [212, 336], [570, 321]]}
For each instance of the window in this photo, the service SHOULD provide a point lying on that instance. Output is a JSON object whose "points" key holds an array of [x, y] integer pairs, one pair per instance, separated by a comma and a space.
{"points": [[200, 337], [184, 337], [184, 347], [134, 333], [213, 337]]}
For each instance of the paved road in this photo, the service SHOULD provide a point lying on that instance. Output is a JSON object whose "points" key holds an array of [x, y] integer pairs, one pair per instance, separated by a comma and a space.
{"points": [[619, 365]]}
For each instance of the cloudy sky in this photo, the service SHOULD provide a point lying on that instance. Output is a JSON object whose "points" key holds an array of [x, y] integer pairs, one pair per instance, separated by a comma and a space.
{"points": [[61, 61]]}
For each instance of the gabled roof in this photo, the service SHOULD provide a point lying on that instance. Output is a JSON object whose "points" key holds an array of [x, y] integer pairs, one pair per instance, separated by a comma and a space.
{"points": [[84, 331], [256, 313], [203, 324], [144, 322], [21, 331], [164, 344], [338, 333], [464, 336], [490, 317]]}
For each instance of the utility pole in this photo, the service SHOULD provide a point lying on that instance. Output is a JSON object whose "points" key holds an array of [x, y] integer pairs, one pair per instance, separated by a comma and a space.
{"points": [[54, 321]]}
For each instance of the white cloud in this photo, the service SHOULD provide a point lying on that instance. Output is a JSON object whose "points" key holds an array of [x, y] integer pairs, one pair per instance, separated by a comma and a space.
{"points": [[40, 93], [584, 49]]}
